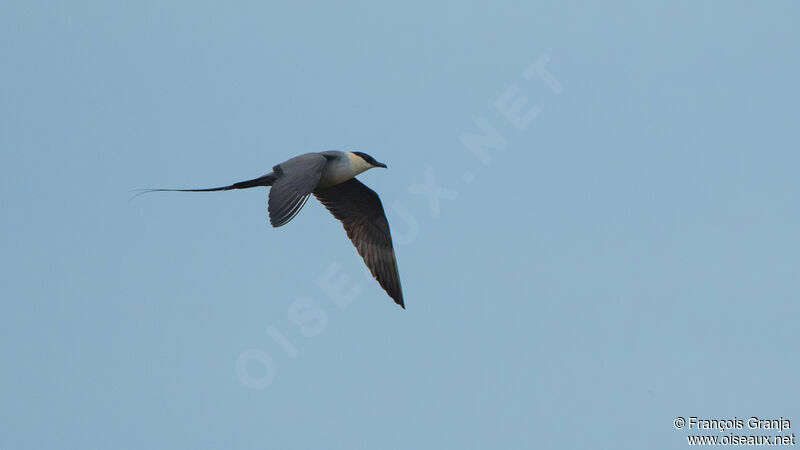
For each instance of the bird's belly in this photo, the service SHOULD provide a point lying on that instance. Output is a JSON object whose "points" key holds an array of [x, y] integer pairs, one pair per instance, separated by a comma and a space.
{"points": [[332, 176]]}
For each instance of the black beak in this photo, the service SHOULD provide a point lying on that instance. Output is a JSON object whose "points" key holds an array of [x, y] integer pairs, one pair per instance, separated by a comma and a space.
{"points": [[377, 164]]}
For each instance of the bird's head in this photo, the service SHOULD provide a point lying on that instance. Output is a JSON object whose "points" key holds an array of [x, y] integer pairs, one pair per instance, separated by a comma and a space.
{"points": [[362, 161]]}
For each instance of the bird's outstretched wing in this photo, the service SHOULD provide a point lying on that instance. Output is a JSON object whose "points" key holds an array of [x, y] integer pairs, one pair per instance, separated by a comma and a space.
{"points": [[360, 210], [295, 179]]}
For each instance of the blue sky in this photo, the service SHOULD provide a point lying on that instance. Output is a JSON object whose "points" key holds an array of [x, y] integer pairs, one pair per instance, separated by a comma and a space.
{"points": [[627, 254]]}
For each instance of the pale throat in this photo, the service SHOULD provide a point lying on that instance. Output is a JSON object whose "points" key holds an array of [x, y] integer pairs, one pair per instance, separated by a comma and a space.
{"points": [[357, 164], [341, 170]]}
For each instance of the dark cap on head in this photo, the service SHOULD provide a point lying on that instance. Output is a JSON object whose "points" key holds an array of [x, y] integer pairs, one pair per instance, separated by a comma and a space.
{"points": [[369, 159]]}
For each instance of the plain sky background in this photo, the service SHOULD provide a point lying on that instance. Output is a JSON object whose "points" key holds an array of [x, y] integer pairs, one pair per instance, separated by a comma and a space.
{"points": [[629, 257]]}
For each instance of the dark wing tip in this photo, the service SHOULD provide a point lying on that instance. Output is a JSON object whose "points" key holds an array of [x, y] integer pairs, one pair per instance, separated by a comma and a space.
{"points": [[396, 293]]}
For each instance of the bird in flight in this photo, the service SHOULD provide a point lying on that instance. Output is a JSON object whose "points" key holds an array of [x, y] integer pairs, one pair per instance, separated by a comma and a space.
{"points": [[330, 176]]}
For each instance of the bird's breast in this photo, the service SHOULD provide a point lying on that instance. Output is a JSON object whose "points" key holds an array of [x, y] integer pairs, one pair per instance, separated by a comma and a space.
{"points": [[335, 172]]}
